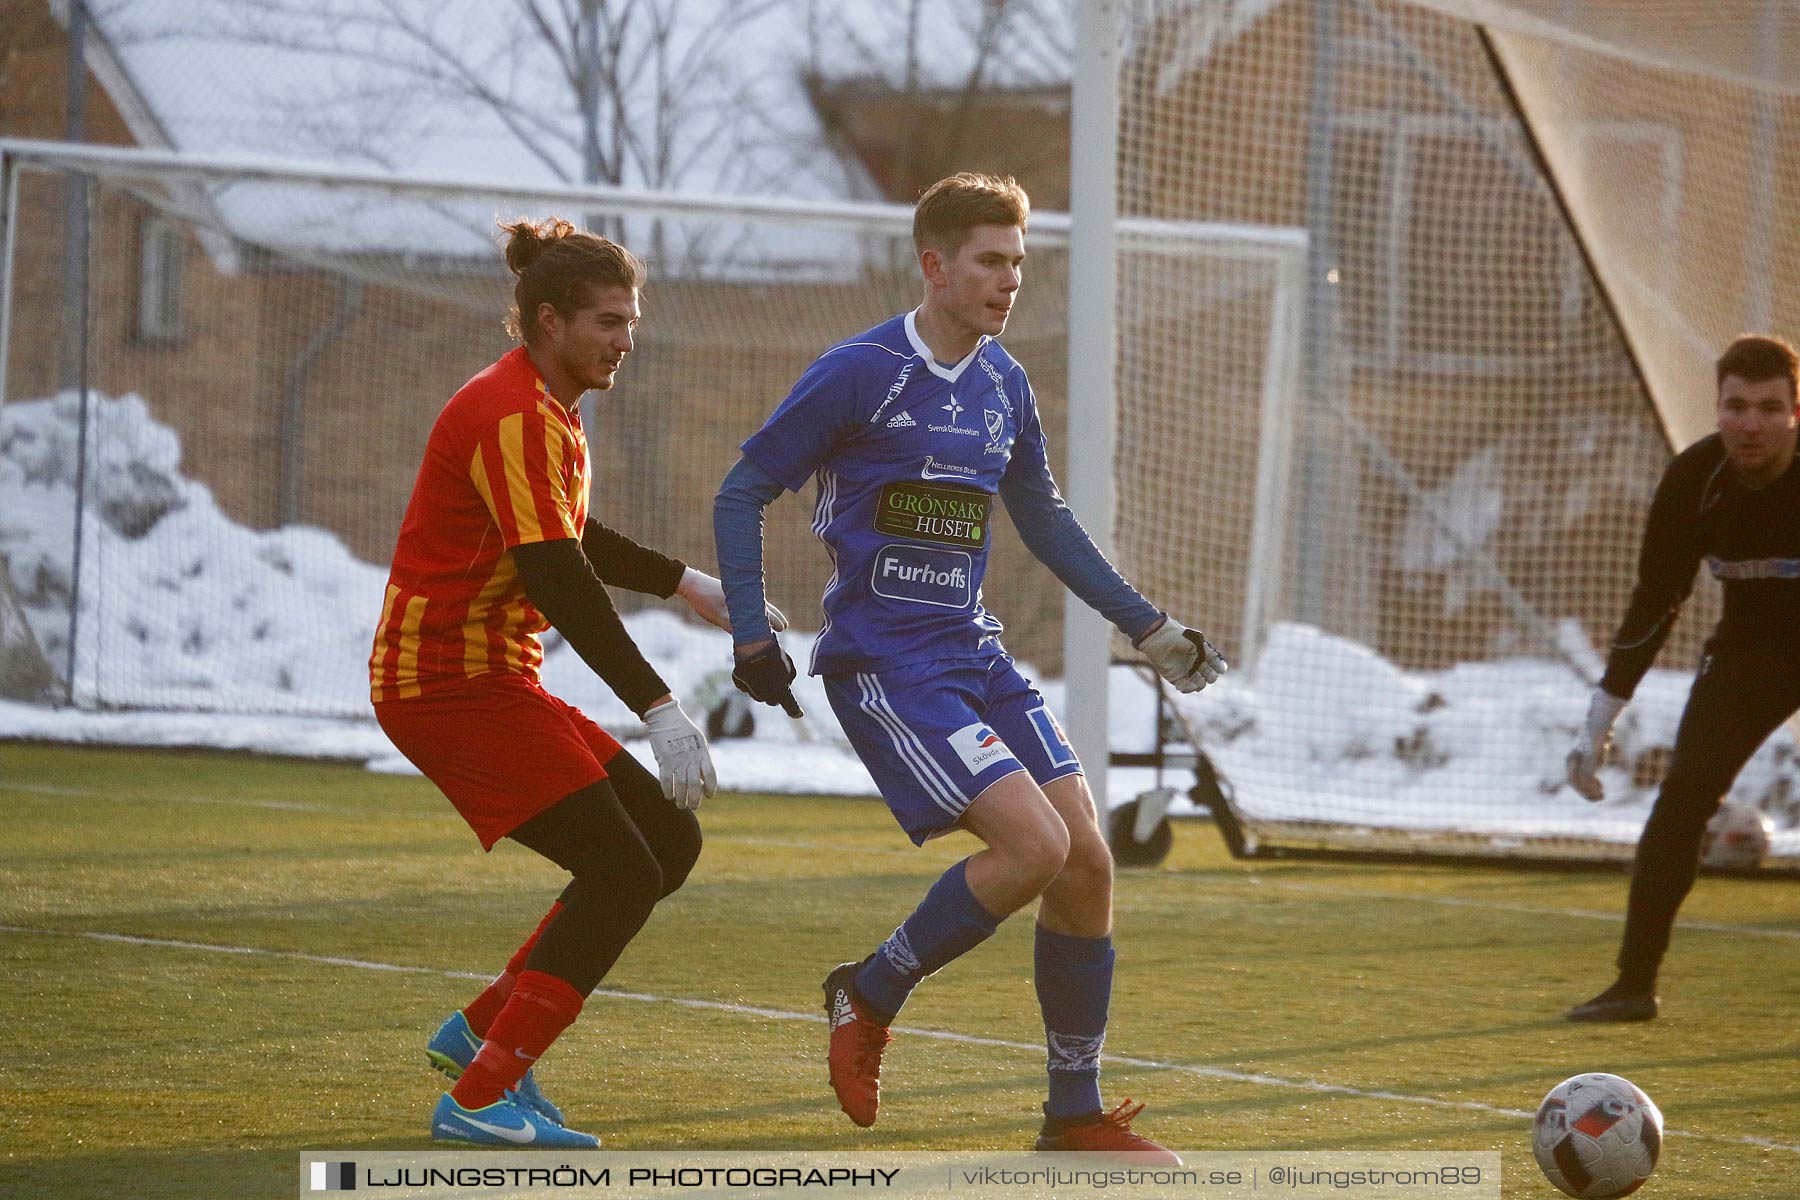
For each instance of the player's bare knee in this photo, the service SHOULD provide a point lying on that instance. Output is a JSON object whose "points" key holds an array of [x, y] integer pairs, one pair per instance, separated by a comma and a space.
{"points": [[1045, 851], [1090, 860]]}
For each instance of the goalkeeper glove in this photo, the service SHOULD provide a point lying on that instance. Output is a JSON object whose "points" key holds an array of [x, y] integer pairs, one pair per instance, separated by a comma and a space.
{"points": [[1182, 656], [768, 677], [706, 596], [682, 758], [1591, 744]]}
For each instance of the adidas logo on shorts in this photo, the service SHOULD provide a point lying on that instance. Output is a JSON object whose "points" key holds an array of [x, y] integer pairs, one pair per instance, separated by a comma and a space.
{"points": [[901, 421]]}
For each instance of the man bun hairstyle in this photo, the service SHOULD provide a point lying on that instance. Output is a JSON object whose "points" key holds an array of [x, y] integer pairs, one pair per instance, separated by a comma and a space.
{"points": [[952, 207], [556, 264], [1755, 357]]}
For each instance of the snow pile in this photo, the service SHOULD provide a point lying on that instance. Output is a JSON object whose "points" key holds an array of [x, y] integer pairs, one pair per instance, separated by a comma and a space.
{"points": [[1327, 730], [183, 610], [179, 606]]}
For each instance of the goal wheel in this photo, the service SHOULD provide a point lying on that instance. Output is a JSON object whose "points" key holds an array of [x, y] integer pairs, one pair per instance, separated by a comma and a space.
{"points": [[730, 717], [1127, 850]]}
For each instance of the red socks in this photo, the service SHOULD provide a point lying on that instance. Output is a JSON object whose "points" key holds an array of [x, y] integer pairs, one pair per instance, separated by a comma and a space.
{"points": [[541, 1007], [481, 1013]]}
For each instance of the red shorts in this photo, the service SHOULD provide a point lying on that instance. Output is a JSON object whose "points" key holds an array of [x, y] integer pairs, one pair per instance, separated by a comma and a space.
{"points": [[500, 747]]}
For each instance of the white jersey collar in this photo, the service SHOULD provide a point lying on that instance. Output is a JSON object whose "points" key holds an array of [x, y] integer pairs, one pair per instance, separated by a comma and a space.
{"points": [[923, 351]]}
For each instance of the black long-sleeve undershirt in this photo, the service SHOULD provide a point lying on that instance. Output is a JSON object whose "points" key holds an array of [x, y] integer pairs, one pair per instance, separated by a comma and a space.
{"points": [[621, 562], [1749, 537], [565, 580]]}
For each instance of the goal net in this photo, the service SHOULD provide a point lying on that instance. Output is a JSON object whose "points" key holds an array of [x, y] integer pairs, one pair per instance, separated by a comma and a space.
{"points": [[201, 521], [1529, 239]]}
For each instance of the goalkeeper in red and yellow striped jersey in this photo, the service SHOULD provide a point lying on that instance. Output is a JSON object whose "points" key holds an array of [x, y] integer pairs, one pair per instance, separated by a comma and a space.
{"points": [[495, 548]]}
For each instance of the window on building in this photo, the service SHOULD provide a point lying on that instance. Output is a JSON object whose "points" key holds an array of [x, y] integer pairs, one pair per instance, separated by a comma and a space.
{"points": [[161, 251]]}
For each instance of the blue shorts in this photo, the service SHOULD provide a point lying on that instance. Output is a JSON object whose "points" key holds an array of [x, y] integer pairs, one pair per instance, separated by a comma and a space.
{"points": [[937, 735]]}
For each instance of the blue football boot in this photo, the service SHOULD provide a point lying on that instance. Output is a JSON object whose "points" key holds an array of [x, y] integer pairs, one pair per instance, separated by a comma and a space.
{"points": [[454, 1047], [505, 1122]]}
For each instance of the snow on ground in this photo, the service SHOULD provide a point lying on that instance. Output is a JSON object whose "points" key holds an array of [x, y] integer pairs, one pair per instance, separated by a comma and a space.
{"points": [[197, 631]]}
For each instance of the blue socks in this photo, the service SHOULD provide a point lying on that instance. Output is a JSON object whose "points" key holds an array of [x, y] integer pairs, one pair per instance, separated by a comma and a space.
{"points": [[1073, 976], [1074, 984], [948, 923]]}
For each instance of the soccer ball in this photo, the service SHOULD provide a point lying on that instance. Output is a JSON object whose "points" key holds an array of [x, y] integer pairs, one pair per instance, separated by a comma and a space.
{"points": [[1737, 836], [1597, 1136]]}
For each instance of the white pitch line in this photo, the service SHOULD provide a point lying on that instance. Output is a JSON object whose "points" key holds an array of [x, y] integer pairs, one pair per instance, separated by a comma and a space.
{"points": [[963, 1039], [1587, 914]]}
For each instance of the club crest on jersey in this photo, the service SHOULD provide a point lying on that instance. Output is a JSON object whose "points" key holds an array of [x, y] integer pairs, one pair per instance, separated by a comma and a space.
{"points": [[979, 747], [996, 428]]}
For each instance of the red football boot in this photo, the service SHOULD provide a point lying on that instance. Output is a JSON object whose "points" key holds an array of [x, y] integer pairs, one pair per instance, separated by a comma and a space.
{"points": [[1105, 1133], [856, 1046]]}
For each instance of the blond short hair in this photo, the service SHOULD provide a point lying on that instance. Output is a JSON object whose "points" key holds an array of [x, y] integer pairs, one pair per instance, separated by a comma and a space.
{"points": [[952, 207]]}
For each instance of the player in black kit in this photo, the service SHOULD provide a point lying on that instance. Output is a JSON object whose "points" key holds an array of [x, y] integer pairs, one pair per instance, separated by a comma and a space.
{"points": [[1731, 500]]}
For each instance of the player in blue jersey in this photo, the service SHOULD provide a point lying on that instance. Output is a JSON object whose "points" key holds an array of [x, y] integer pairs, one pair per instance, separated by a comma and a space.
{"points": [[911, 430]]}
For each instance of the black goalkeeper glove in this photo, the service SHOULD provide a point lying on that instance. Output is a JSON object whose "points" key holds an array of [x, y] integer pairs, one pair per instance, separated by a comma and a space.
{"points": [[767, 677]]}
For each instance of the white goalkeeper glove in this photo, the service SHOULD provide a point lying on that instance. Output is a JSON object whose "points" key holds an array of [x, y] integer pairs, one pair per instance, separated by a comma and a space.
{"points": [[1182, 656], [1590, 745], [682, 757], [706, 596]]}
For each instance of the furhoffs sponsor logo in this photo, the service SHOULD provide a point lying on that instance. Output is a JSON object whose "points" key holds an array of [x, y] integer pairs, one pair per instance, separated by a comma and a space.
{"points": [[924, 575]]}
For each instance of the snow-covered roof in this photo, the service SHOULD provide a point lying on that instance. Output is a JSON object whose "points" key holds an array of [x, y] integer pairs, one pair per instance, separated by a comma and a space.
{"points": [[706, 96], [701, 96]]}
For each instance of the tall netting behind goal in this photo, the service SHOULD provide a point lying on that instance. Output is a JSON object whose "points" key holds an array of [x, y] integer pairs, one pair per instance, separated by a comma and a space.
{"points": [[1489, 393], [209, 531], [265, 353]]}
